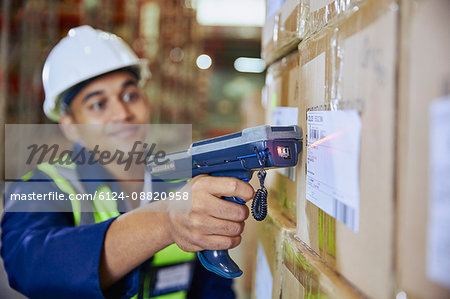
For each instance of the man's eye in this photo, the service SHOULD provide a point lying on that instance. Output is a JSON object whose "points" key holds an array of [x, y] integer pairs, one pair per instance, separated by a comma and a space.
{"points": [[130, 96], [97, 106]]}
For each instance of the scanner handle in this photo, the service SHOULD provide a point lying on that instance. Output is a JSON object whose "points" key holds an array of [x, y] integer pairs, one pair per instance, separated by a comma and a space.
{"points": [[218, 261]]}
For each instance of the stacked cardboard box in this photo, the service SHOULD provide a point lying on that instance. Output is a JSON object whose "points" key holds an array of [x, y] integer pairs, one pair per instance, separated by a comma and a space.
{"points": [[384, 64], [244, 255], [281, 92], [320, 76], [351, 66], [423, 269], [357, 51], [290, 21], [269, 255], [286, 268], [285, 26], [304, 275]]}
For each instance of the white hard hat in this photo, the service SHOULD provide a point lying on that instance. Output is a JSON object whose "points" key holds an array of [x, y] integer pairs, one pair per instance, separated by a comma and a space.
{"points": [[84, 54]]}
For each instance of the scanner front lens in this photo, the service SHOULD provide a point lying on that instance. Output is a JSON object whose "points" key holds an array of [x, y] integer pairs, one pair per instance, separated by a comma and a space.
{"points": [[284, 152]]}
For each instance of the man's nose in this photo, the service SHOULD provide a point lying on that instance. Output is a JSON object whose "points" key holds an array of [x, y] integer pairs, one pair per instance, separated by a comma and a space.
{"points": [[121, 112]]}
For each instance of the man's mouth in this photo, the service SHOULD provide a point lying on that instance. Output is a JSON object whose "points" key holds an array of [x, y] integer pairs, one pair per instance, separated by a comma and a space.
{"points": [[124, 132]]}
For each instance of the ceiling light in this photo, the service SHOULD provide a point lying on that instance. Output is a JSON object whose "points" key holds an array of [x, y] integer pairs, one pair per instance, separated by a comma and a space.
{"points": [[249, 65], [231, 12], [204, 61]]}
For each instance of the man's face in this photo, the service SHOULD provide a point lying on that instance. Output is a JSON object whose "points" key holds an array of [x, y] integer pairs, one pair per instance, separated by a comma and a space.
{"points": [[112, 99], [110, 111]]}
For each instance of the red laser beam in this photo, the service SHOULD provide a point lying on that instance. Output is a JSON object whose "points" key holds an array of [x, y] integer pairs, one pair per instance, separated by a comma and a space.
{"points": [[326, 138]]}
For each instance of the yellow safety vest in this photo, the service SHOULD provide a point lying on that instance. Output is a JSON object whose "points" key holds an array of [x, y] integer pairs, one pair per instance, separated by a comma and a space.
{"points": [[106, 209]]}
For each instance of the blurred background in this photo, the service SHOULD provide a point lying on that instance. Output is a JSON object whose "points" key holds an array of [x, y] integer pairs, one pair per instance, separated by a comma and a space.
{"points": [[193, 48], [380, 64], [197, 50]]}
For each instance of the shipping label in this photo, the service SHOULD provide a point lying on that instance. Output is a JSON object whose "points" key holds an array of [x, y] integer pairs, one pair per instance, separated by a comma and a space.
{"points": [[332, 178], [438, 253]]}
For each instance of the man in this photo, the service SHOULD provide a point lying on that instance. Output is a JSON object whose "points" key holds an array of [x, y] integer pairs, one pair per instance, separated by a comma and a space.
{"points": [[92, 77]]}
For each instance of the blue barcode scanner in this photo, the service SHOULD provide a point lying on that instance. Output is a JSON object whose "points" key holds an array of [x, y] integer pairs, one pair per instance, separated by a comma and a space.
{"points": [[236, 155]]}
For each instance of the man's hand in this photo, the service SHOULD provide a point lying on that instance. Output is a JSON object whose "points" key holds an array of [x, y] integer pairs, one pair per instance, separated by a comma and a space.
{"points": [[213, 223]]}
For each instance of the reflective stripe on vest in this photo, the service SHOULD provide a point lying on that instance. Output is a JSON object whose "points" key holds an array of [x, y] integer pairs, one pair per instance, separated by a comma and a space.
{"points": [[177, 295], [64, 185], [106, 209]]}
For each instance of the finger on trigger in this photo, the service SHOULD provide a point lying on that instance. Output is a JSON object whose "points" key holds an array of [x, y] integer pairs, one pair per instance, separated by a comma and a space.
{"points": [[226, 210], [215, 226], [227, 186]]}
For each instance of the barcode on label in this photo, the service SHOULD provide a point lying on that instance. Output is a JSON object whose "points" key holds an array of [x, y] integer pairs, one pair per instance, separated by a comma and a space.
{"points": [[314, 134], [345, 214]]}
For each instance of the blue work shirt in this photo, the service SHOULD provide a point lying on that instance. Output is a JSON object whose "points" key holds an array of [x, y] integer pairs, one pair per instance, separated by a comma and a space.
{"points": [[47, 256]]}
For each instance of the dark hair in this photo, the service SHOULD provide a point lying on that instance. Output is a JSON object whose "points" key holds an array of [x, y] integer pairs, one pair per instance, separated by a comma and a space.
{"points": [[68, 95]]}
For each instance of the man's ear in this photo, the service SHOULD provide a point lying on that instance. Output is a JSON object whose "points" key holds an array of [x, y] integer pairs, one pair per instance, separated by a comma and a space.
{"points": [[68, 127]]}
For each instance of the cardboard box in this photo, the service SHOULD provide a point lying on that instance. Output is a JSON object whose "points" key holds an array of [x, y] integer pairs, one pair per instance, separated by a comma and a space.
{"points": [[305, 275], [243, 255], [252, 111], [424, 77], [287, 268], [352, 66], [290, 21], [324, 12], [269, 253], [282, 82], [276, 91], [286, 25]]}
